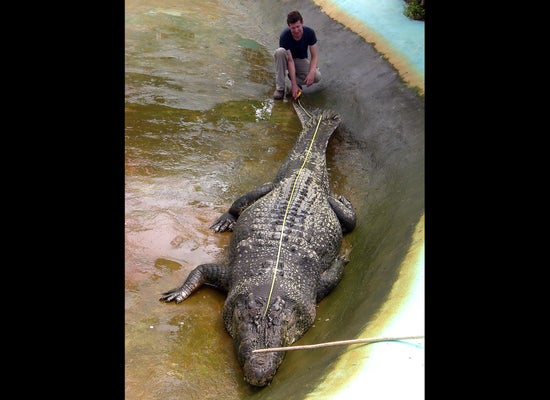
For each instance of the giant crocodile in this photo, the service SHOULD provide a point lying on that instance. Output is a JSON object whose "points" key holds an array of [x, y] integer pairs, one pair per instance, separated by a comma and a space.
{"points": [[284, 252]]}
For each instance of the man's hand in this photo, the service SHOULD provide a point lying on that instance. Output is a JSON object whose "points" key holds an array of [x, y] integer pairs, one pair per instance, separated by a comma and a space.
{"points": [[310, 78], [295, 90]]}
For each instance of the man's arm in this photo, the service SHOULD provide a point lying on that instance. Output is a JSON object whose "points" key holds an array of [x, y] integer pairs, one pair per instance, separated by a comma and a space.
{"points": [[292, 72], [310, 78]]}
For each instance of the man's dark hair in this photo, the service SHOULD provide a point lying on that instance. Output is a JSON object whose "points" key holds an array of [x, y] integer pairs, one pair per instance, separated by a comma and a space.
{"points": [[293, 17]]}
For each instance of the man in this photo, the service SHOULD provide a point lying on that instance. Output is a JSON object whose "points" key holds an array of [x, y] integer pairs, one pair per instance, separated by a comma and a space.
{"points": [[292, 56]]}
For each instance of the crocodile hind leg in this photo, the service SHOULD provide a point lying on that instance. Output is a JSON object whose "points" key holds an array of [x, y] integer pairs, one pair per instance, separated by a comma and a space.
{"points": [[344, 211], [209, 274], [331, 277]]}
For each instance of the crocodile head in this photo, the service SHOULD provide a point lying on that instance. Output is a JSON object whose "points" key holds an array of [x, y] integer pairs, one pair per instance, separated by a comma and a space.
{"points": [[253, 328]]}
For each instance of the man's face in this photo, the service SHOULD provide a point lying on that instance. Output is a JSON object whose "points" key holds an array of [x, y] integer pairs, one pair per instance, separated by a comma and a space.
{"points": [[296, 30]]}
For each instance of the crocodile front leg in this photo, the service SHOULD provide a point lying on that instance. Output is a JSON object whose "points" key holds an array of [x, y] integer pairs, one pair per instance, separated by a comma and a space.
{"points": [[226, 221], [209, 274], [331, 277], [344, 211]]}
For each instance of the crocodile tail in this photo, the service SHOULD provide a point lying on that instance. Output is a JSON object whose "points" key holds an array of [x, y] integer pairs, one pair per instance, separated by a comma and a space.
{"points": [[309, 116], [305, 114]]}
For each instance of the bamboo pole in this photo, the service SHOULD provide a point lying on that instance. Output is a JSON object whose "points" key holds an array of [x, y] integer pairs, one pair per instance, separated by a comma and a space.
{"points": [[337, 343]]}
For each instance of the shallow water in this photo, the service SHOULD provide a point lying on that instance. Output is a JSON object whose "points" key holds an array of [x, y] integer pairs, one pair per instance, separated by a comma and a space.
{"points": [[201, 130]]}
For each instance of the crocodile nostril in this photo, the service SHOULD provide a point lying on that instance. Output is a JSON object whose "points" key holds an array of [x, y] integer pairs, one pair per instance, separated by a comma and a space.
{"points": [[260, 362]]}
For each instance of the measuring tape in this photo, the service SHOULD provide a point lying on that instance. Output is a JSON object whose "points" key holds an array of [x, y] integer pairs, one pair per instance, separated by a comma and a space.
{"points": [[288, 208]]}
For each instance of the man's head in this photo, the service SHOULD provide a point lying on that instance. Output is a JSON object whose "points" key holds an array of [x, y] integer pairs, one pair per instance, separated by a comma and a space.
{"points": [[295, 22], [293, 17]]}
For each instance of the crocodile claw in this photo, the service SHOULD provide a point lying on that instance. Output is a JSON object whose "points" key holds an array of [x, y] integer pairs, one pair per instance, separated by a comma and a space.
{"points": [[344, 201], [174, 295], [224, 223]]}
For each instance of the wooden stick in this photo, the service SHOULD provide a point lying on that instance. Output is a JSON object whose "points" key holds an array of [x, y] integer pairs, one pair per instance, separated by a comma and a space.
{"points": [[337, 343]]}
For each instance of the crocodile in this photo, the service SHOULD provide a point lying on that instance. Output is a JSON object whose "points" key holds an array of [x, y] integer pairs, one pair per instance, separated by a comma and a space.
{"points": [[284, 252]]}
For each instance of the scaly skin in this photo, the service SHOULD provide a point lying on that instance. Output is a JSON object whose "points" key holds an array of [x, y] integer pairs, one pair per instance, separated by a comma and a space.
{"points": [[292, 223]]}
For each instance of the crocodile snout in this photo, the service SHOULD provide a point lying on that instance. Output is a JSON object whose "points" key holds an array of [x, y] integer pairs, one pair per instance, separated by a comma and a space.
{"points": [[260, 368]]}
